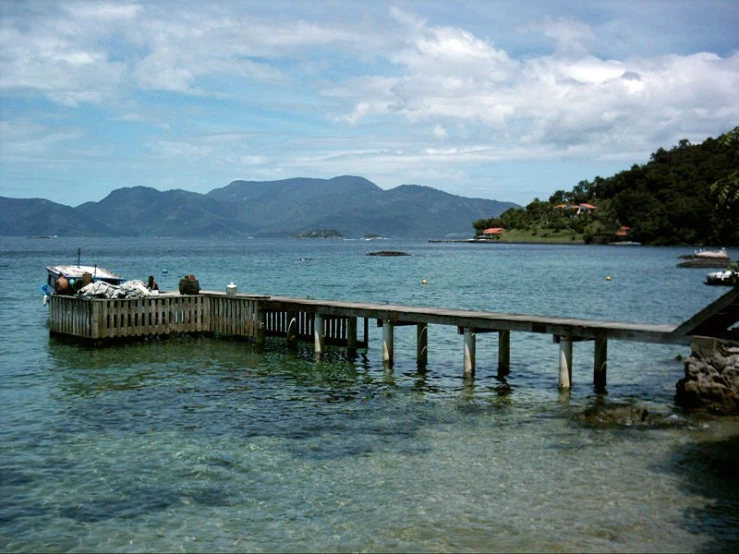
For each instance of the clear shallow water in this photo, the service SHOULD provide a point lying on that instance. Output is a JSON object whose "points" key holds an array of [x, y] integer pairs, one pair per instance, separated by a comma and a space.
{"points": [[195, 444]]}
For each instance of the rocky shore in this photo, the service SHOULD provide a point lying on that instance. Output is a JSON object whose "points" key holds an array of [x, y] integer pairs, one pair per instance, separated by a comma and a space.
{"points": [[711, 379]]}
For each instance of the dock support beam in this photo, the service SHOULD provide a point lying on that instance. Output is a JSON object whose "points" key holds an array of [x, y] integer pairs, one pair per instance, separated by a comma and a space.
{"points": [[319, 335], [469, 352], [388, 342], [504, 353], [565, 362], [351, 335], [261, 328], [422, 344], [292, 330], [601, 363]]}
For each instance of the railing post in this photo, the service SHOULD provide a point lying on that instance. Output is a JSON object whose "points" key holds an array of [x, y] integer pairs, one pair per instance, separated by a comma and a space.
{"points": [[95, 324]]}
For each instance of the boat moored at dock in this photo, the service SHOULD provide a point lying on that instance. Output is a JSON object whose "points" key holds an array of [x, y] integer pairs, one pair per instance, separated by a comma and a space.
{"points": [[77, 276]]}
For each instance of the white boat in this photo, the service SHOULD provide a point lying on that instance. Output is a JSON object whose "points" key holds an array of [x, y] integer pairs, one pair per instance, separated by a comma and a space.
{"points": [[728, 278], [718, 259], [76, 275], [711, 254]]}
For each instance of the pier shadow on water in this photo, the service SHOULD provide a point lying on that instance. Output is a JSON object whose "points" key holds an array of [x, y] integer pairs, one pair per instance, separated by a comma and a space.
{"points": [[709, 469]]}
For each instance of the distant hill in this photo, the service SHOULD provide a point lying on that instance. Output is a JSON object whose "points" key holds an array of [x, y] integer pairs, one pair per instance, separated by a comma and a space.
{"points": [[20, 217], [352, 205]]}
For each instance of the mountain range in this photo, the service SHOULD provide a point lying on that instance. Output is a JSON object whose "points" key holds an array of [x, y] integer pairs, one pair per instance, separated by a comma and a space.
{"points": [[353, 206]]}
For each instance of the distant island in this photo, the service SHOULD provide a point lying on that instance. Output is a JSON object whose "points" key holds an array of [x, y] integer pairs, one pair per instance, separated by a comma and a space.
{"points": [[319, 234]]}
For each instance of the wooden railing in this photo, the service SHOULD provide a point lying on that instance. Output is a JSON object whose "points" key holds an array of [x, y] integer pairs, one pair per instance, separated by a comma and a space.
{"points": [[209, 313], [128, 317]]}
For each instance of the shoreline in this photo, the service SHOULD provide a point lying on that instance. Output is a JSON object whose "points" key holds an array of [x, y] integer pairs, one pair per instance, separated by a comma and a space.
{"points": [[473, 241]]}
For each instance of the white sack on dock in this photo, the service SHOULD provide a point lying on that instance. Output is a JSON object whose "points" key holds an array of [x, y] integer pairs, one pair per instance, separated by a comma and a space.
{"points": [[101, 289], [135, 289]]}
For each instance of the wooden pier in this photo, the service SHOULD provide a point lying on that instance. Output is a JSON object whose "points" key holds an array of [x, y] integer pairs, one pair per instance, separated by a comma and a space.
{"points": [[326, 322]]}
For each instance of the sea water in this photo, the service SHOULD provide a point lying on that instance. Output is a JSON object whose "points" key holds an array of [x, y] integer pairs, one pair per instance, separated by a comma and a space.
{"points": [[198, 444]]}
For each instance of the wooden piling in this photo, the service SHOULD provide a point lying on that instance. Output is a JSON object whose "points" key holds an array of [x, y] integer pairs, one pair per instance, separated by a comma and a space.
{"points": [[422, 344], [291, 334], [261, 327], [388, 342], [600, 363], [351, 335], [469, 352], [504, 353], [565, 362], [319, 335]]}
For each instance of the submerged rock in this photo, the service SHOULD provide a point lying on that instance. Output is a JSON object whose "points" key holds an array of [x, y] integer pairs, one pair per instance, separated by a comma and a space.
{"points": [[711, 379], [608, 415], [388, 253], [611, 415]]}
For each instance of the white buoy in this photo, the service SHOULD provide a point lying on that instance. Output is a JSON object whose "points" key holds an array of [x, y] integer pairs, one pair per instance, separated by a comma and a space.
{"points": [[231, 289]]}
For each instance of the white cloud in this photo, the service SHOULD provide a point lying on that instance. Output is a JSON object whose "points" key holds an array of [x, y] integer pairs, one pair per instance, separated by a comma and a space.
{"points": [[364, 88], [129, 116], [440, 133], [182, 150], [26, 141], [571, 37], [102, 11], [562, 99]]}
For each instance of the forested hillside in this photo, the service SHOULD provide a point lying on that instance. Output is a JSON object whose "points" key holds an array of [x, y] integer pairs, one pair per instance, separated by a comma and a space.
{"points": [[686, 195]]}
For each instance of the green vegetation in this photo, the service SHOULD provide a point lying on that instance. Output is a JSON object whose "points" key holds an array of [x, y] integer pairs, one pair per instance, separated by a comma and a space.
{"points": [[687, 195], [566, 236]]}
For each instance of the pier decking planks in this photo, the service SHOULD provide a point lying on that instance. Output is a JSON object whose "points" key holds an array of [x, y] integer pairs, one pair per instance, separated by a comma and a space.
{"points": [[484, 321]]}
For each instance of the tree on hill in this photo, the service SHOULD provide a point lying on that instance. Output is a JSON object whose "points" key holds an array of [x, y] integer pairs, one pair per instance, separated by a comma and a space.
{"points": [[725, 191]]}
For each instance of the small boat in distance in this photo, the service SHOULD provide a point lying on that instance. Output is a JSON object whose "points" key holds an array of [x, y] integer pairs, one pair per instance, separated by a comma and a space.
{"points": [[706, 258], [720, 254], [727, 278]]}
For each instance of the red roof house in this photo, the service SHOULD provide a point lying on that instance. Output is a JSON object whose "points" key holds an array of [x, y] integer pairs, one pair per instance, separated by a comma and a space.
{"points": [[493, 231]]}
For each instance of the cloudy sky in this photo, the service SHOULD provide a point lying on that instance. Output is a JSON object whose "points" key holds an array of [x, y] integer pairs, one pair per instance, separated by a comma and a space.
{"points": [[508, 100]]}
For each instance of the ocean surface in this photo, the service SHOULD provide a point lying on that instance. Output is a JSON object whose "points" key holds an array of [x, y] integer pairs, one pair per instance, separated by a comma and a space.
{"points": [[195, 444]]}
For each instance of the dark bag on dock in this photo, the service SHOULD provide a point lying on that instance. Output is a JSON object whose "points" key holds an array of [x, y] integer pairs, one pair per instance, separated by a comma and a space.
{"points": [[189, 285]]}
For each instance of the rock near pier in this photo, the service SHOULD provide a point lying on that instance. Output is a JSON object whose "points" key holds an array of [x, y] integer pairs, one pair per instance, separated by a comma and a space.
{"points": [[711, 379]]}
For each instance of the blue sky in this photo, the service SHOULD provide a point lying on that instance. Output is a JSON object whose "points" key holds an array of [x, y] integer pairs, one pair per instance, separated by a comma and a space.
{"points": [[507, 100]]}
